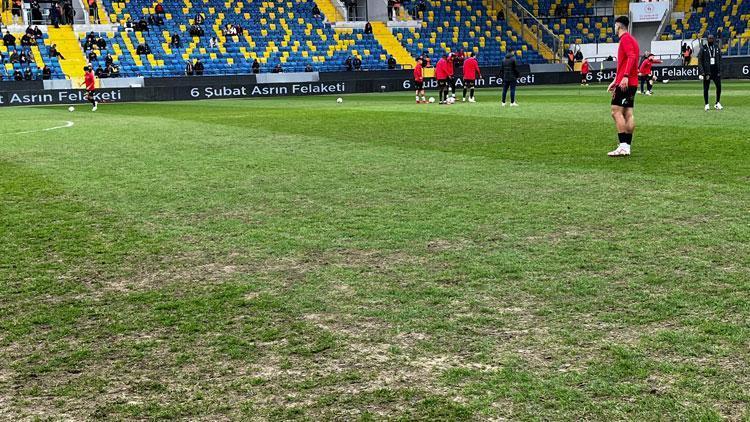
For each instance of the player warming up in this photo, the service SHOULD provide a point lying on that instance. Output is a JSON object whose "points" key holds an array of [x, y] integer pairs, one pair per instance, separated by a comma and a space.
{"points": [[89, 81], [441, 74], [471, 73], [624, 87], [644, 74], [419, 82]]}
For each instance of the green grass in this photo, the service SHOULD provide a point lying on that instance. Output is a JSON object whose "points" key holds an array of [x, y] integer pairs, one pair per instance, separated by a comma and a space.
{"points": [[295, 258]]}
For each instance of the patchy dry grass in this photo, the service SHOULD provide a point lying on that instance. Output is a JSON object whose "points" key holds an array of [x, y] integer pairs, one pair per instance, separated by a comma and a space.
{"points": [[297, 259]]}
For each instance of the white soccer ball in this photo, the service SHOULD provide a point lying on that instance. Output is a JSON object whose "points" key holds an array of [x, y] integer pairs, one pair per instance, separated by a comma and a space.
{"points": [[666, 81], [339, 100], [432, 100], [451, 100], [71, 109]]}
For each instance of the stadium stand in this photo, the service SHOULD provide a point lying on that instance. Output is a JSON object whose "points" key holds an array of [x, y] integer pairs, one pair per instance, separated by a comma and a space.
{"points": [[467, 25], [275, 33], [575, 21], [731, 16], [39, 58]]}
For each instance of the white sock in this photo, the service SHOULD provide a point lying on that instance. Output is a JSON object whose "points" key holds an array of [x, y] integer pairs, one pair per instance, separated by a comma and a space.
{"points": [[423, 98], [417, 97]]}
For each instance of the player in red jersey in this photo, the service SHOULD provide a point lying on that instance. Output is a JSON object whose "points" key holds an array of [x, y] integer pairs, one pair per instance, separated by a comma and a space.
{"points": [[419, 81], [585, 72], [644, 73], [624, 87], [441, 74], [89, 81], [450, 69], [471, 73]]}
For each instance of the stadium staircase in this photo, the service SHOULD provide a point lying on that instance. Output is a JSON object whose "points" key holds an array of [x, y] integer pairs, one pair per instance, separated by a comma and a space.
{"points": [[528, 35], [449, 26], [69, 47], [102, 12], [330, 10], [385, 37]]}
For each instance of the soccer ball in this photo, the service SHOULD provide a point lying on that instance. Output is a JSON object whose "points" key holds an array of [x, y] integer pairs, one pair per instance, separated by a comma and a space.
{"points": [[71, 109], [339, 100], [451, 100], [432, 100], [666, 81]]}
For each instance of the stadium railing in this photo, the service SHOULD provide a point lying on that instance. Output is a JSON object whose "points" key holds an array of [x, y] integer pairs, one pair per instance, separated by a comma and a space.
{"points": [[529, 20]]}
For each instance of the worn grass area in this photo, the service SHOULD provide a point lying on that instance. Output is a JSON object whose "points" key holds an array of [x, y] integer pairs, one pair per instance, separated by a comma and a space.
{"points": [[295, 258]]}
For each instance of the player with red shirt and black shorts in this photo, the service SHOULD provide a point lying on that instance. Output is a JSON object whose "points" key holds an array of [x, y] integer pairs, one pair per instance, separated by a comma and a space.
{"points": [[451, 69], [441, 74], [624, 87], [89, 81], [644, 73], [471, 72], [419, 81]]}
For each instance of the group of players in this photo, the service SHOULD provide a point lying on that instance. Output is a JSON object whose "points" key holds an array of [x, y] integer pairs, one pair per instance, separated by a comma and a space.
{"points": [[623, 88], [445, 73]]}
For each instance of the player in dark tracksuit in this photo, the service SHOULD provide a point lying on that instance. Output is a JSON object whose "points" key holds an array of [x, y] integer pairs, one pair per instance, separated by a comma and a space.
{"points": [[510, 75], [709, 67]]}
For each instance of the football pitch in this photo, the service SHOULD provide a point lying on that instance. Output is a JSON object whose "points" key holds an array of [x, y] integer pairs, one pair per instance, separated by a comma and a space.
{"points": [[295, 258]]}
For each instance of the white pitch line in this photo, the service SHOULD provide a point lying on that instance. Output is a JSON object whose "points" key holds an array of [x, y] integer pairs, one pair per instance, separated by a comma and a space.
{"points": [[66, 125]]}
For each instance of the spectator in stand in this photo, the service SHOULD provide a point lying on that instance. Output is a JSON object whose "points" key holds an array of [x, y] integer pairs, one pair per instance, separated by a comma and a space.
{"points": [[315, 11], [16, 11], [27, 41], [198, 67], [368, 28], [159, 9], [108, 60], [99, 72], [357, 62], [501, 15], [94, 11], [175, 42], [54, 53], [29, 31], [92, 56], [585, 73], [278, 69], [579, 55], [101, 43], [128, 25], [391, 63], [54, 15], [189, 70], [390, 9], [38, 33], [142, 49], [17, 76], [27, 75], [609, 59], [23, 58], [13, 58], [69, 12], [158, 20], [115, 72], [687, 55], [9, 40], [213, 42], [256, 66], [46, 73], [36, 12], [141, 25], [571, 59], [397, 10], [308, 68], [421, 7], [198, 19], [348, 64]]}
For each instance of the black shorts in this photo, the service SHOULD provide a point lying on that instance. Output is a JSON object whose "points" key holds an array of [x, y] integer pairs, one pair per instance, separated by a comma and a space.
{"points": [[442, 82], [419, 85], [624, 98], [469, 83]]}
